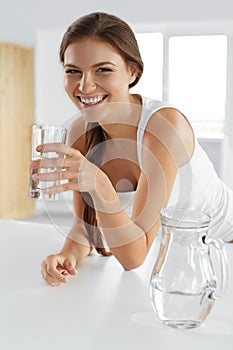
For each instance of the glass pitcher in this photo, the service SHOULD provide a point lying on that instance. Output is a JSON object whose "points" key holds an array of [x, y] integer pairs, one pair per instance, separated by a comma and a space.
{"points": [[185, 281]]}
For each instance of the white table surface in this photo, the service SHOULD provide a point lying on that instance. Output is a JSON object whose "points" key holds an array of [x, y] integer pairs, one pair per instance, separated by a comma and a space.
{"points": [[103, 307]]}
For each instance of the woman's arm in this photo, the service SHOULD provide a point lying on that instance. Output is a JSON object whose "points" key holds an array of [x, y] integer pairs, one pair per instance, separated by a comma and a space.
{"points": [[56, 268], [77, 241], [168, 143]]}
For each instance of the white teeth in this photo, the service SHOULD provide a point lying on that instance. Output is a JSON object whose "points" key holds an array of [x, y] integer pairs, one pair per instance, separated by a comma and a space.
{"points": [[92, 100]]}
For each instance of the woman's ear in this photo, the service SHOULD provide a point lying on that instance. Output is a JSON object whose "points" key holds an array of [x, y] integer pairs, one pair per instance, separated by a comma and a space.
{"points": [[133, 72]]}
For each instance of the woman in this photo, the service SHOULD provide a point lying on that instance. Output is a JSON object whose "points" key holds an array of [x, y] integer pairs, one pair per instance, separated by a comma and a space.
{"points": [[128, 156]]}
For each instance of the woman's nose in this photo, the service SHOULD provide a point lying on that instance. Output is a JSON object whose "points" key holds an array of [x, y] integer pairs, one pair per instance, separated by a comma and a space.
{"points": [[87, 84]]}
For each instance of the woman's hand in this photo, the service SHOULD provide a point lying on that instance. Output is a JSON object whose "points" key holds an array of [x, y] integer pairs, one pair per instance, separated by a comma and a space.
{"points": [[56, 268], [71, 165]]}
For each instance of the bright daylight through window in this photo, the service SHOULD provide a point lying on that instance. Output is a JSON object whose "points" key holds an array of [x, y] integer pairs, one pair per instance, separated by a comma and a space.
{"points": [[196, 77], [197, 80]]}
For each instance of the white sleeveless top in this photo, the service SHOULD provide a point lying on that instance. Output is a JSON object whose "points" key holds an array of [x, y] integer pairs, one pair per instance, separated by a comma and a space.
{"points": [[197, 185]]}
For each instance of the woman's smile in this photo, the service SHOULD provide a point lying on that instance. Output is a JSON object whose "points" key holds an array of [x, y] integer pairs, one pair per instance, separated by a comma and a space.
{"points": [[89, 101]]}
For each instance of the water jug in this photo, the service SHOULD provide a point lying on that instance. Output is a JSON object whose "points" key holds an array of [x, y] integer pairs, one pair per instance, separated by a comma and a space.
{"points": [[190, 271]]}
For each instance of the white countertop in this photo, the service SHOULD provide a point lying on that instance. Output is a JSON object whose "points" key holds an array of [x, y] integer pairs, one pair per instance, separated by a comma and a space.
{"points": [[103, 307]]}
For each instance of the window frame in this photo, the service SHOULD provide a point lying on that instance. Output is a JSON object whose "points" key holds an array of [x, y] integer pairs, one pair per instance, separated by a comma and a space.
{"points": [[169, 30]]}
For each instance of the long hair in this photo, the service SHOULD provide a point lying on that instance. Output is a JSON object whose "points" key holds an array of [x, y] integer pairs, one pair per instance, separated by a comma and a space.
{"points": [[114, 31]]}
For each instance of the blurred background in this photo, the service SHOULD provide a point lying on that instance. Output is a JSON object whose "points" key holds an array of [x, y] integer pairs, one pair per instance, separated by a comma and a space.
{"points": [[187, 48]]}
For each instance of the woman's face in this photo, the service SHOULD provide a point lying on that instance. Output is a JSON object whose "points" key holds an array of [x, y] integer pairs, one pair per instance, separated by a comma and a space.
{"points": [[95, 73]]}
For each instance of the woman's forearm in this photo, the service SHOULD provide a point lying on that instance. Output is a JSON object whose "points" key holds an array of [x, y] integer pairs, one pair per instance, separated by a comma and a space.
{"points": [[77, 242], [126, 240]]}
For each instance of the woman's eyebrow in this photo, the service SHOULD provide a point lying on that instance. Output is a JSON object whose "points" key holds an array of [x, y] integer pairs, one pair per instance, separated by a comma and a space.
{"points": [[94, 65], [70, 65], [103, 63]]}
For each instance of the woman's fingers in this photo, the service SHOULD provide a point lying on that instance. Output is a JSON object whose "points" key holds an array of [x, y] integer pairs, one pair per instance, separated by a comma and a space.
{"points": [[56, 268], [59, 148], [51, 274], [68, 158], [69, 266], [59, 162], [55, 175], [46, 163], [69, 186], [51, 280], [80, 174]]}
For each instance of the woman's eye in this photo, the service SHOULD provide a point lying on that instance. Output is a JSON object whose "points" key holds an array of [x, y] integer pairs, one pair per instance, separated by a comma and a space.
{"points": [[104, 69], [72, 71]]}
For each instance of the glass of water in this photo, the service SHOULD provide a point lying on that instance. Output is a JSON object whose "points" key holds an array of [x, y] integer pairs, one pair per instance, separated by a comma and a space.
{"points": [[42, 134]]}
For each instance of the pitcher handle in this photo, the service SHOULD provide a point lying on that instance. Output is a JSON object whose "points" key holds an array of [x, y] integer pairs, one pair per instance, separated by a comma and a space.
{"points": [[220, 249]]}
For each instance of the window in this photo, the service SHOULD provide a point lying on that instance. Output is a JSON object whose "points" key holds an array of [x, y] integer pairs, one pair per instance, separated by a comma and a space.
{"points": [[190, 72], [197, 80]]}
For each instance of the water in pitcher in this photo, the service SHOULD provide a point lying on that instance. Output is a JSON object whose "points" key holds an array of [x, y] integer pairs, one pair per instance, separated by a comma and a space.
{"points": [[179, 309], [190, 271]]}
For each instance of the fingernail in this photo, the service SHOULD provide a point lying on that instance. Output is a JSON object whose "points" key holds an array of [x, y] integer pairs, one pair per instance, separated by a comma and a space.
{"points": [[64, 273], [33, 165], [39, 148], [35, 177]]}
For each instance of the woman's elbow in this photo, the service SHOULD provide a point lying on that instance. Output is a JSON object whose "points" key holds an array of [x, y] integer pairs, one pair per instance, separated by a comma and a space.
{"points": [[132, 264]]}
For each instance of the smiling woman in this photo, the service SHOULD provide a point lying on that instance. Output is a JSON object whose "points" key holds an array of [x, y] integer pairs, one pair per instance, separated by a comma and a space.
{"points": [[128, 155], [93, 79]]}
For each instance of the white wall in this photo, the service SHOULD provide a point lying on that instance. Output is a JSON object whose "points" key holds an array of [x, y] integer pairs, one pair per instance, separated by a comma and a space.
{"points": [[19, 20], [52, 106]]}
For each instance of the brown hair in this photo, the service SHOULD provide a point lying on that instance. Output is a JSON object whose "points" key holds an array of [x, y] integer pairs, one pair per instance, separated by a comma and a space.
{"points": [[112, 30]]}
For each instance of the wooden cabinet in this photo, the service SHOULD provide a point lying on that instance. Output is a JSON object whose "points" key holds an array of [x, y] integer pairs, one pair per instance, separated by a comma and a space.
{"points": [[16, 119]]}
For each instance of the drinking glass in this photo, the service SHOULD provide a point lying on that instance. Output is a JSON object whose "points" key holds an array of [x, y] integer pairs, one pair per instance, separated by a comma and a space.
{"points": [[42, 134]]}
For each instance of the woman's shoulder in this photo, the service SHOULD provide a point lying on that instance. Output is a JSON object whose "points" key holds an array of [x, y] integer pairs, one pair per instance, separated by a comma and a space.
{"points": [[151, 108], [165, 114], [157, 114], [168, 124]]}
